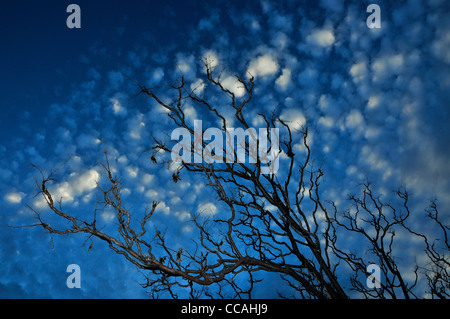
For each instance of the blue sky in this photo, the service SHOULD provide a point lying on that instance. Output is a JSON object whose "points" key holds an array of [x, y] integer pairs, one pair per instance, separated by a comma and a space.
{"points": [[376, 102]]}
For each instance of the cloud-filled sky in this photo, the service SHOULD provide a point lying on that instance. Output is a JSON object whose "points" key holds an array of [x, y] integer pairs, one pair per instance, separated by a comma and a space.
{"points": [[376, 102]]}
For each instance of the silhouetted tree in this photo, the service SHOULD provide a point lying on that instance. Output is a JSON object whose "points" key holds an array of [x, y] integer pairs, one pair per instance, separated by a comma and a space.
{"points": [[274, 222]]}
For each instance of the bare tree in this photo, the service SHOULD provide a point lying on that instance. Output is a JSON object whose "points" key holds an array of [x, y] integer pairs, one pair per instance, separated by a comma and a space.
{"points": [[377, 222], [275, 223]]}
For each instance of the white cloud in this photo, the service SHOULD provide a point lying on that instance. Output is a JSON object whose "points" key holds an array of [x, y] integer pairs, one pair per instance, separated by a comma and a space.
{"points": [[175, 199], [86, 140], [108, 215], [294, 118], [183, 66], [232, 84], [122, 159], [254, 25], [117, 107], [186, 65], [147, 178], [324, 102], [385, 66], [372, 132], [186, 229], [132, 171], [376, 161], [151, 193], [190, 113], [163, 208], [198, 86], [352, 169], [284, 79], [374, 102], [14, 198], [77, 185], [183, 216], [396, 62], [85, 182], [263, 65], [136, 126], [326, 121], [156, 76], [321, 38], [212, 59], [355, 121], [441, 44], [207, 208], [358, 71], [125, 191], [280, 40]]}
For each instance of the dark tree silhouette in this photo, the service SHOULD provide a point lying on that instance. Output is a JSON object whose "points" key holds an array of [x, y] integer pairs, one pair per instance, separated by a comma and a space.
{"points": [[277, 223]]}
